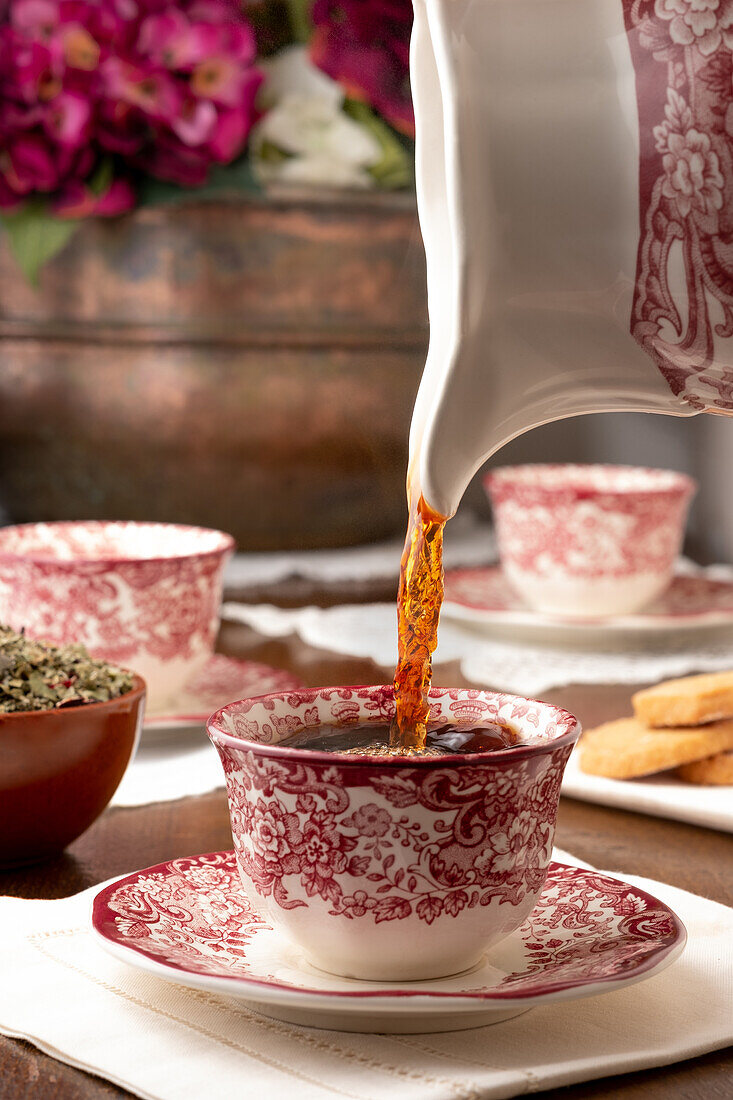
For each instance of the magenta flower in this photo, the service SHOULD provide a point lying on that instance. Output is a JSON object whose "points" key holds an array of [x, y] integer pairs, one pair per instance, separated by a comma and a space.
{"points": [[30, 165], [79, 201], [166, 89], [68, 118], [365, 46]]}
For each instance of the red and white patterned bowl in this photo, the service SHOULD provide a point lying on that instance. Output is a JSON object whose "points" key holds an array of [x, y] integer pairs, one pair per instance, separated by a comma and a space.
{"points": [[588, 541], [143, 595], [386, 868]]}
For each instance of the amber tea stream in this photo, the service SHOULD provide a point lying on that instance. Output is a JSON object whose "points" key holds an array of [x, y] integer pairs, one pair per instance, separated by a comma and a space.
{"points": [[419, 600]]}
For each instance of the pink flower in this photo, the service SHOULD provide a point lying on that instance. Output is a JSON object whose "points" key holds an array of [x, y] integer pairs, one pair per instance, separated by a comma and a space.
{"points": [[274, 831], [29, 165], [68, 119], [364, 45], [78, 201], [165, 88], [169, 40], [230, 132], [358, 903], [322, 853], [693, 180], [692, 171], [514, 842], [38, 17], [369, 820], [156, 95], [195, 123]]}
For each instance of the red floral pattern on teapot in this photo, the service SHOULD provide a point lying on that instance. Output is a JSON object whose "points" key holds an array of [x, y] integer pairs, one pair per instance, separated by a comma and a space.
{"points": [[682, 54]]}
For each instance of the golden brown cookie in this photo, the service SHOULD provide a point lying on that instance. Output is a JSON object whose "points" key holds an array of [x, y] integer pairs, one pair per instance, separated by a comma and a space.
{"points": [[626, 749], [687, 702], [715, 771]]}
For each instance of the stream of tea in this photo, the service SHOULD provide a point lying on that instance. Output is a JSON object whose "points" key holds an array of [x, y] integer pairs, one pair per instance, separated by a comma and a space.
{"points": [[418, 610]]}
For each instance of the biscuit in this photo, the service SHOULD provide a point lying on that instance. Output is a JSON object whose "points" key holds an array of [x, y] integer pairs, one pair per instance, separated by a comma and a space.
{"points": [[626, 749], [714, 771], [687, 702]]}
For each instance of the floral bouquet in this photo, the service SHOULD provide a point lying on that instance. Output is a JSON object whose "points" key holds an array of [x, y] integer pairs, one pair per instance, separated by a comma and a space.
{"points": [[110, 104]]}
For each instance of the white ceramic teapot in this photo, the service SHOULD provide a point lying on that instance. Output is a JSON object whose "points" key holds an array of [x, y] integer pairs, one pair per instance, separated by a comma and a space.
{"points": [[575, 189]]}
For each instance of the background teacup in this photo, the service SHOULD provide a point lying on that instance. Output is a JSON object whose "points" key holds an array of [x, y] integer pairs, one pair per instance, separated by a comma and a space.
{"points": [[385, 867], [143, 595], [588, 541]]}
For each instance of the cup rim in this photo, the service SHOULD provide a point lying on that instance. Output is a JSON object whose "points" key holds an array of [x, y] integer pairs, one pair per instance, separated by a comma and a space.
{"points": [[136, 692], [568, 736], [578, 479], [225, 543]]}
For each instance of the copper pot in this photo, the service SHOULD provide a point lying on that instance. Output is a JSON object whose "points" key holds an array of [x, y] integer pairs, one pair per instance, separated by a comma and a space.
{"points": [[247, 365]]}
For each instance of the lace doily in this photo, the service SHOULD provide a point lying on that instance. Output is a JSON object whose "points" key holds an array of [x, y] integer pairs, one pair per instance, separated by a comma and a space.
{"points": [[369, 631], [468, 541]]}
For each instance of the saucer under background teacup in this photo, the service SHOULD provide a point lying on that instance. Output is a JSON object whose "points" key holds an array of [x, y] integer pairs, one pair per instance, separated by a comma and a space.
{"points": [[188, 921], [483, 597], [145, 596], [220, 680], [588, 541]]}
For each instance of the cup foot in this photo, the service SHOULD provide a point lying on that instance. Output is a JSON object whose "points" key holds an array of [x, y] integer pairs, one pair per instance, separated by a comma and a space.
{"points": [[400, 1022], [395, 975], [587, 597]]}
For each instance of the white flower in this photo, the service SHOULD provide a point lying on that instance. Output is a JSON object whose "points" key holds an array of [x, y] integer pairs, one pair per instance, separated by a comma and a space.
{"points": [[703, 23], [291, 73], [515, 845], [317, 142], [692, 172]]}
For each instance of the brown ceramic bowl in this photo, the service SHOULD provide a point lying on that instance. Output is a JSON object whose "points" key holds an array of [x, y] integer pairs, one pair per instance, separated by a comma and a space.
{"points": [[59, 769]]}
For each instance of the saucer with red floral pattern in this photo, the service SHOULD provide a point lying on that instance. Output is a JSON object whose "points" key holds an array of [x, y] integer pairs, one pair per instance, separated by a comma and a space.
{"points": [[220, 681], [484, 597], [188, 921]]}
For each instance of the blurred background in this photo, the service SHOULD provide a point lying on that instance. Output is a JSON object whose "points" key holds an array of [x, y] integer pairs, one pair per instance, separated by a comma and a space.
{"points": [[212, 284]]}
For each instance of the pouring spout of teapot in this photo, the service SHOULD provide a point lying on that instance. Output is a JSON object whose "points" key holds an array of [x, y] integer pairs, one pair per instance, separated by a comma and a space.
{"points": [[542, 197], [518, 334], [568, 268]]}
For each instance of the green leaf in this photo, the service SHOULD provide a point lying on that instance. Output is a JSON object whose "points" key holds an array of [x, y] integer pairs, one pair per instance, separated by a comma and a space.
{"points": [[269, 153], [395, 169], [222, 179], [299, 14], [101, 179], [35, 236]]}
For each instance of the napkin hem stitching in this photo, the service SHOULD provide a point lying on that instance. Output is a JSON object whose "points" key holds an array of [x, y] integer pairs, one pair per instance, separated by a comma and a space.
{"points": [[461, 1090], [35, 939], [531, 1081]]}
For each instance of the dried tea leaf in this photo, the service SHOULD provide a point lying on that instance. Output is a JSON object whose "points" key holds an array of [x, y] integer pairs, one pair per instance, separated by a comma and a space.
{"points": [[38, 676]]}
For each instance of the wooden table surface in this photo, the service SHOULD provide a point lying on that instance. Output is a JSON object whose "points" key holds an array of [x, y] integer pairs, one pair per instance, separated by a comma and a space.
{"points": [[698, 860]]}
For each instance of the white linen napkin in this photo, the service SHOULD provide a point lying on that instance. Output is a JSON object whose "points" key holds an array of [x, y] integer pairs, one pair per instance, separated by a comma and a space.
{"points": [[68, 997], [170, 764]]}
